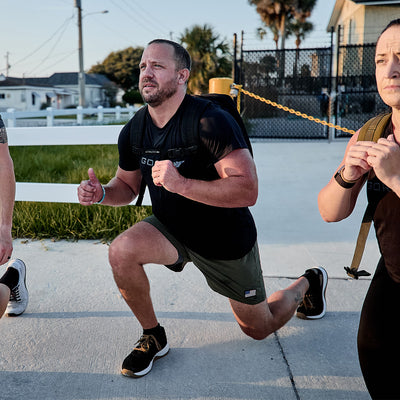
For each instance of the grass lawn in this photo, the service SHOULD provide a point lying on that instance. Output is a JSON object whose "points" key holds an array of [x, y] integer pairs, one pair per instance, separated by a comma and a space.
{"points": [[69, 164]]}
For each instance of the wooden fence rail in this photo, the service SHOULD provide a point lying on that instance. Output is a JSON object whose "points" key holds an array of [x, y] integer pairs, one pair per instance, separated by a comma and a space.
{"points": [[10, 117], [68, 135]]}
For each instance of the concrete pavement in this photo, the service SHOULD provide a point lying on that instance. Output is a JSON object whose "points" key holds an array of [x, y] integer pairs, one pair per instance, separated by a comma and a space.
{"points": [[72, 339]]}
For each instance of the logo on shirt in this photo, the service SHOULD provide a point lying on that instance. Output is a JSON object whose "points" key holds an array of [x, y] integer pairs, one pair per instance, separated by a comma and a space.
{"points": [[150, 162], [177, 164]]}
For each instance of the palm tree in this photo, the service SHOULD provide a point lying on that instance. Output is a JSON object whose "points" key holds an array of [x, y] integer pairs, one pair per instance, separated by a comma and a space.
{"points": [[278, 14], [210, 56], [303, 9], [274, 14], [300, 30], [261, 32]]}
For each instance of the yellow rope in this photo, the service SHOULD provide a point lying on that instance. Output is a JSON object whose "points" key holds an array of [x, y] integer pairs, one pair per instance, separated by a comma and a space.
{"points": [[292, 111]]}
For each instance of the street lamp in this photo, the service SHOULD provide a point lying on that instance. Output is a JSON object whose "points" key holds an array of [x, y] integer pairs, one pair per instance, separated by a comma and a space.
{"points": [[81, 74]]}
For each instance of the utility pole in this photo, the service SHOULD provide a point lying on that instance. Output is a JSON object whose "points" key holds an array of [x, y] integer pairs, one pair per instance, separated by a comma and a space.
{"points": [[8, 66], [81, 74]]}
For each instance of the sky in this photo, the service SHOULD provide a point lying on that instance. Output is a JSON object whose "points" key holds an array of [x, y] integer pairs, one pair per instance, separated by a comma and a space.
{"points": [[40, 37]]}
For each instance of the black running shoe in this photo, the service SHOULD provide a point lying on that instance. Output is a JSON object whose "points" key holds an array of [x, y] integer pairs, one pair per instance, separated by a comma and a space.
{"points": [[148, 349], [313, 305]]}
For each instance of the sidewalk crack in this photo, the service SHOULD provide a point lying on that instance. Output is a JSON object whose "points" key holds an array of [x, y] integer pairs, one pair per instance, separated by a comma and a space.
{"points": [[287, 366]]}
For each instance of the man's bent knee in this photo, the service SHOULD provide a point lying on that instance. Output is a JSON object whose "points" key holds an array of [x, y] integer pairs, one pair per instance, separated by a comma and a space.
{"points": [[254, 320], [139, 245], [116, 252], [254, 333], [123, 256]]}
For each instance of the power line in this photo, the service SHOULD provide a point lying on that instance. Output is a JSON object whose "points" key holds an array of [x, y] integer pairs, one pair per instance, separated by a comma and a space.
{"points": [[117, 33], [45, 42], [53, 48], [135, 18], [64, 57], [144, 14]]}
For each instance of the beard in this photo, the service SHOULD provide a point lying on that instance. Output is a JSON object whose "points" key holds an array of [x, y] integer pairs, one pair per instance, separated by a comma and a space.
{"points": [[158, 96]]}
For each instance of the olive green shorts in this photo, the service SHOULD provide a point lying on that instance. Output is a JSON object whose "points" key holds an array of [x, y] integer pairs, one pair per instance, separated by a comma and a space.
{"points": [[240, 279]]}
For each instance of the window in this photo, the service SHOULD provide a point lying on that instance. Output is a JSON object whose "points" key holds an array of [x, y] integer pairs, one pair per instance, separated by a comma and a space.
{"points": [[351, 28], [2, 96]]}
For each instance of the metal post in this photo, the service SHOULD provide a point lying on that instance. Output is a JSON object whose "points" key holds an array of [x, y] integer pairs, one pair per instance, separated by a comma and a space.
{"points": [[234, 66], [330, 131], [81, 75], [240, 77], [335, 92]]}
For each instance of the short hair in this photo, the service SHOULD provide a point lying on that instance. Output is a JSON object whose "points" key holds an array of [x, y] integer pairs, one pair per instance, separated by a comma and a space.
{"points": [[395, 22], [182, 57]]}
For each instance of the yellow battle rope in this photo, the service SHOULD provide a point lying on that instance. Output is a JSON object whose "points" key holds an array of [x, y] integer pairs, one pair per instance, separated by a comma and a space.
{"points": [[292, 111]]}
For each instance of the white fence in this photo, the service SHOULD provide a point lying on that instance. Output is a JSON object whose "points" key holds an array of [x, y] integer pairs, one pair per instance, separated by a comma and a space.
{"points": [[10, 117], [68, 135]]}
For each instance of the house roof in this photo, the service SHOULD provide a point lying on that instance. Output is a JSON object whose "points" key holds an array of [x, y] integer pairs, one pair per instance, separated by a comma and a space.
{"points": [[71, 78], [13, 82], [339, 5], [57, 79]]}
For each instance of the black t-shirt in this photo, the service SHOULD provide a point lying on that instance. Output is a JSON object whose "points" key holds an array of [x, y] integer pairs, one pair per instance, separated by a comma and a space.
{"points": [[386, 219], [213, 232]]}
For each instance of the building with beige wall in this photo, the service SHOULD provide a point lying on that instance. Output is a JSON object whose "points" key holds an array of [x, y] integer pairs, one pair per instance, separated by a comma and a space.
{"points": [[362, 21], [358, 23]]}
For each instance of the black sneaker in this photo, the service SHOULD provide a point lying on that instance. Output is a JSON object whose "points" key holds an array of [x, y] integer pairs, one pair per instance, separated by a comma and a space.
{"points": [[313, 305], [148, 349]]}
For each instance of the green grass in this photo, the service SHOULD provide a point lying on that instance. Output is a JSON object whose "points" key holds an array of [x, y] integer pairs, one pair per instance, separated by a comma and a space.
{"points": [[69, 164], [73, 221], [63, 164]]}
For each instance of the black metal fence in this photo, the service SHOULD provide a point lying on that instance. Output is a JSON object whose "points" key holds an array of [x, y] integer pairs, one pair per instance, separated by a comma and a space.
{"points": [[302, 79], [357, 97]]}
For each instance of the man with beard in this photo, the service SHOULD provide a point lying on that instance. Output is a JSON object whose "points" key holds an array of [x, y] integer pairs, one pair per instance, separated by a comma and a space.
{"points": [[200, 204]]}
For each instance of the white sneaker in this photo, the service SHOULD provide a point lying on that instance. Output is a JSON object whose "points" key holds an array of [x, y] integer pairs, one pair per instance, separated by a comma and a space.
{"points": [[19, 295]]}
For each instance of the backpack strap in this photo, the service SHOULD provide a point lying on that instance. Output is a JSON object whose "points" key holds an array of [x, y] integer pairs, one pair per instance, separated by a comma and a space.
{"points": [[353, 271], [372, 130], [227, 103], [194, 109], [137, 130], [136, 140]]}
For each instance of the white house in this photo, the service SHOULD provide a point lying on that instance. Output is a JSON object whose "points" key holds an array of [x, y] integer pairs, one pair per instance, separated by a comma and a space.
{"points": [[58, 91], [96, 87], [24, 96]]}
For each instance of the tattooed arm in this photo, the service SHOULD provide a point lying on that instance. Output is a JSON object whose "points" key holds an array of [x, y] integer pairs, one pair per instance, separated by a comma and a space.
{"points": [[7, 195]]}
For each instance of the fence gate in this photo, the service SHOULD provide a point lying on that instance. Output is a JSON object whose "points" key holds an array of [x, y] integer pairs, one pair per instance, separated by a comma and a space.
{"points": [[297, 79], [302, 79]]}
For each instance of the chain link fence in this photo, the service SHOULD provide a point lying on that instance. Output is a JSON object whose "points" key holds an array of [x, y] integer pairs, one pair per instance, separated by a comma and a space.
{"points": [[357, 96], [302, 79]]}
